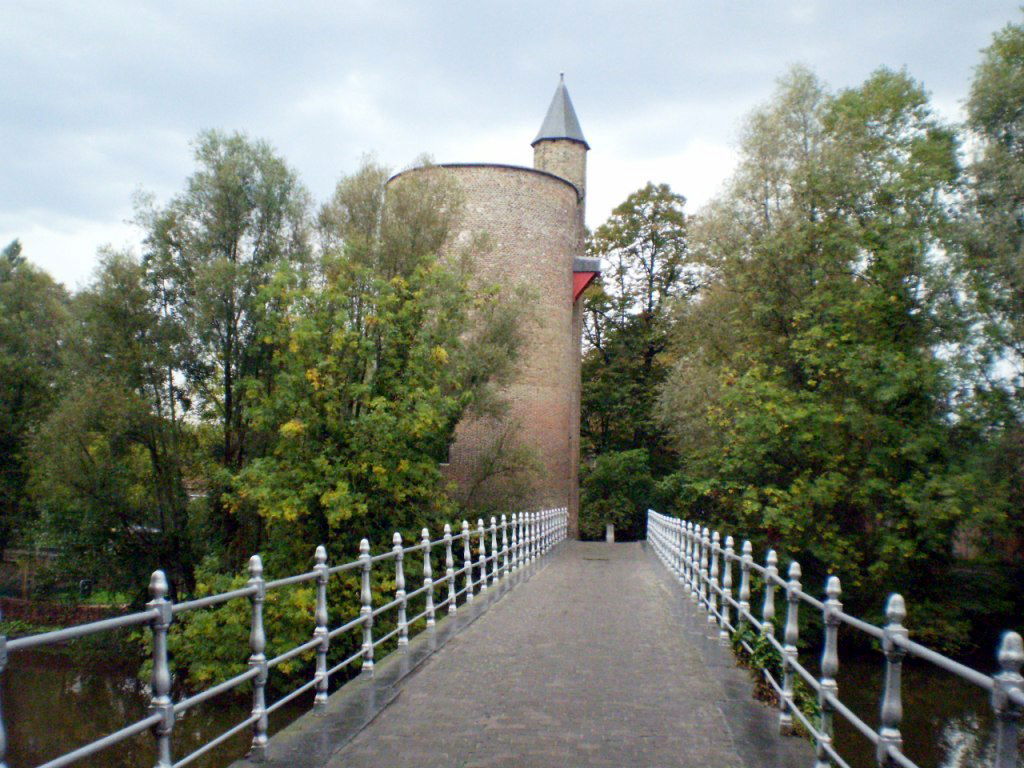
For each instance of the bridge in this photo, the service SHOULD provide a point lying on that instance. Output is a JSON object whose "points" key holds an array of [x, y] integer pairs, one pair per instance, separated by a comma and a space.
{"points": [[540, 651]]}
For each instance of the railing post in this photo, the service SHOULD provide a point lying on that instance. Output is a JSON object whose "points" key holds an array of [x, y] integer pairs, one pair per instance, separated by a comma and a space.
{"points": [[504, 546], [449, 569], [829, 669], [713, 580], [258, 659], [366, 611], [320, 700], [494, 550], [790, 637], [3, 730], [403, 625], [428, 577], [768, 610], [745, 563], [1007, 711], [467, 561], [688, 554], [723, 633], [889, 737], [514, 543], [160, 681], [705, 546], [482, 536]]}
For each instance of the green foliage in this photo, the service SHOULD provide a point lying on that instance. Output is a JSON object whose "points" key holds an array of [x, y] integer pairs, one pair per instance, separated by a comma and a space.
{"points": [[617, 489], [643, 246], [33, 316], [765, 657], [809, 400], [109, 462]]}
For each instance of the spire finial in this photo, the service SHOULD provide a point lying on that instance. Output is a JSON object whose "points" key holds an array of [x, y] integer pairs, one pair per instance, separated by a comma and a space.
{"points": [[561, 121]]}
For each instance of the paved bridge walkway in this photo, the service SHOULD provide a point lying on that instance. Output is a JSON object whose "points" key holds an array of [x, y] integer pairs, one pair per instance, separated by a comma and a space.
{"points": [[597, 659]]}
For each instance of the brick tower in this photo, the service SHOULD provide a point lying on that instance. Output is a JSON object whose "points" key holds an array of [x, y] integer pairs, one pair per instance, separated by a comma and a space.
{"points": [[534, 220]]}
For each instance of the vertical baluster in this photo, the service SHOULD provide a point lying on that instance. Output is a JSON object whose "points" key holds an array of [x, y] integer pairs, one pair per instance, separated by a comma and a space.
{"points": [[1008, 712], [3, 730], [768, 609], [504, 547], [705, 564], [745, 563], [320, 700], [529, 538], [829, 670], [482, 536], [258, 659], [713, 579], [366, 611], [790, 637], [687, 561], [428, 577], [467, 561], [403, 625], [160, 681], [514, 543], [449, 570], [681, 550], [723, 627], [889, 737], [494, 550]]}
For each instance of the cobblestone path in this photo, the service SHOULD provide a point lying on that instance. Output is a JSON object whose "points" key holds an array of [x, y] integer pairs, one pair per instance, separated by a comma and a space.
{"points": [[586, 664]]}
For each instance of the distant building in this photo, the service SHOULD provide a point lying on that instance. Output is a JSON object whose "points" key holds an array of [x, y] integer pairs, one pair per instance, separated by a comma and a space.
{"points": [[534, 220]]}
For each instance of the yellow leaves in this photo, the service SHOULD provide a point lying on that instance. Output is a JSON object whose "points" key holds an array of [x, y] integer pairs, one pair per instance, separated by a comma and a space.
{"points": [[313, 377], [292, 429], [379, 471], [439, 355]]}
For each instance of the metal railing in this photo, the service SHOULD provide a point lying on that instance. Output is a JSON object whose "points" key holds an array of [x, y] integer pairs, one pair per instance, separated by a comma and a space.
{"points": [[703, 563], [524, 538]]}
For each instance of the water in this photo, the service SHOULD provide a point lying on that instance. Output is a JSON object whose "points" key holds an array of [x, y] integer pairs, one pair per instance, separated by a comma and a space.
{"points": [[947, 722], [53, 703]]}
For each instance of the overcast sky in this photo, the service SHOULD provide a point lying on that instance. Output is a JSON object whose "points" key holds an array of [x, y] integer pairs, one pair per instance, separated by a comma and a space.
{"points": [[100, 99]]}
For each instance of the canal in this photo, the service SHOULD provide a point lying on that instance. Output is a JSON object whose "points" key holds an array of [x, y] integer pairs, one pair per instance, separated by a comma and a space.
{"points": [[53, 703]]}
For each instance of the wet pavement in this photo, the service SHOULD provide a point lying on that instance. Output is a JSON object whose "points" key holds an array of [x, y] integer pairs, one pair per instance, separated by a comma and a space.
{"points": [[596, 659]]}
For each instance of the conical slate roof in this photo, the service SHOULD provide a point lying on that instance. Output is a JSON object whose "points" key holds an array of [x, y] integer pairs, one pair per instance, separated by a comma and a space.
{"points": [[561, 121]]}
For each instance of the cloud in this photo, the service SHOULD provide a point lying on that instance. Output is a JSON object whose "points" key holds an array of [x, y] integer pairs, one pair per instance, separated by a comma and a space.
{"points": [[103, 98]]}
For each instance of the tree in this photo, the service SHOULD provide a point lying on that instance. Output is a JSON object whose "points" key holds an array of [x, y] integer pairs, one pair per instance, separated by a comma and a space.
{"points": [[33, 319], [110, 462], [209, 254], [812, 358], [644, 245], [993, 231], [374, 363]]}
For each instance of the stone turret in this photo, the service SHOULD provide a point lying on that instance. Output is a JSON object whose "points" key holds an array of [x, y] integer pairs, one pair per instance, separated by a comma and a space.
{"points": [[560, 147], [533, 218]]}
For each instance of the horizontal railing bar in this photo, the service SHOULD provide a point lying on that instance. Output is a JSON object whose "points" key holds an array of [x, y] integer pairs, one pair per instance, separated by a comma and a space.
{"points": [[863, 626], [810, 679], [900, 758], [209, 693], [216, 742], [413, 548], [356, 622], [291, 696], [349, 566], [205, 602], [811, 728], [296, 651], [345, 662], [382, 556], [419, 616], [386, 637], [944, 662], [81, 630], [420, 590], [107, 741], [384, 608], [827, 746], [1017, 696], [287, 580]]}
